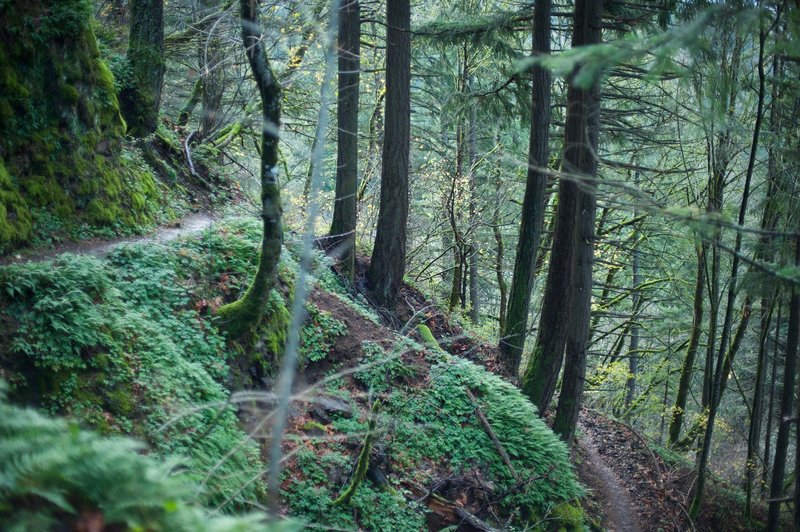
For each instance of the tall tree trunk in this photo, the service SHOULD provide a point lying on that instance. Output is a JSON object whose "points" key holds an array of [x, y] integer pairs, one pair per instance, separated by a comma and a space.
{"points": [[388, 263], [140, 103], [769, 222], [578, 195], [472, 145], [343, 226], [765, 474], [633, 353], [499, 259], [685, 382], [213, 77], [580, 160], [787, 404], [243, 315], [757, 413], [512, 336], [459, 245]]}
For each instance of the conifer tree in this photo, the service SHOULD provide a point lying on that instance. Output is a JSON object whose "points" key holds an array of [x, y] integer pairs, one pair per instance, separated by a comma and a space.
{"points": [[512, 336], [140, 103], [387, 266], [343, 226]]}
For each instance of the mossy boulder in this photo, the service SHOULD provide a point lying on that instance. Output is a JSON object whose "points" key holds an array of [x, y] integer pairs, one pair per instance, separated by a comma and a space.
{"points": [[61, 132]]}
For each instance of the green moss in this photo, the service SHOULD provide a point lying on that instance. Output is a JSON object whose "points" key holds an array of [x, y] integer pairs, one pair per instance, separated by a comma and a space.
{"points": [[15, 217], [311, 425], [70, 94], [567, 517], [64, 147]]}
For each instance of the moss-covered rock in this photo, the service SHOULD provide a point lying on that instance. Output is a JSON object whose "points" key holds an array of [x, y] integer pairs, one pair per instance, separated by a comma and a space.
{"points": [[61, 132]]}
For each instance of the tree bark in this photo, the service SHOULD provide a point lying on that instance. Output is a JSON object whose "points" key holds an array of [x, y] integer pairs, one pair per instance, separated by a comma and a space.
{"points": [[581, 141], [787, 404], [512, 336], [343, 226], [577, 240], [387, 267], [765, 474], [213, 77], [140, 103], [243, 315]]}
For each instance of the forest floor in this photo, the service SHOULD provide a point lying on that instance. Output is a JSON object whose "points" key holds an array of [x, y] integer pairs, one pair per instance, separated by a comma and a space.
{"points": [[630, 487]]}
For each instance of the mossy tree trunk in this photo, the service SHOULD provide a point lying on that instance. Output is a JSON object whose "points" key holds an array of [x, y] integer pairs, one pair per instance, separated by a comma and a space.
{"points": [[580, 161], [242, 316], [191, 103], [388, 263], [685, 382], [140, 103], [343, 226], [512, 335]]}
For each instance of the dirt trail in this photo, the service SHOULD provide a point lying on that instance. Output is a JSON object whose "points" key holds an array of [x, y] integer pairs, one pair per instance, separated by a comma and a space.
{"points": [[190, 224], [626, 477], [614, 498]]}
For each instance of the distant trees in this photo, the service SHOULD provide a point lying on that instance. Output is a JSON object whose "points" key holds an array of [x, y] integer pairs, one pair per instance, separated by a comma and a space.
{"points": [[787, 408], [388, 263], [140, 103], [343, 226], [244, 314]]}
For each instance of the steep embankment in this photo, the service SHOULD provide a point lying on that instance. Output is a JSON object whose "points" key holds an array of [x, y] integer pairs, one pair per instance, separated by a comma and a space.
{"points": [[127, 344]]}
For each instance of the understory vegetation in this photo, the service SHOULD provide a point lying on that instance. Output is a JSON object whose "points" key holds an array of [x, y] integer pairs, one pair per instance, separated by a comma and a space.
{"points": [[390, 265], [126, 344]]}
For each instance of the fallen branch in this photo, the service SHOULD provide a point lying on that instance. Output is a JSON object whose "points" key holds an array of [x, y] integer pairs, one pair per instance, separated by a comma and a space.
{"points": [[449, 512], [499, 446], [362, 465]]}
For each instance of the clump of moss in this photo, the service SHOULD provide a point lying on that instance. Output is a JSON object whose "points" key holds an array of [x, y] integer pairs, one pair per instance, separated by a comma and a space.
{"points": [[15, 217], [61, 148]]}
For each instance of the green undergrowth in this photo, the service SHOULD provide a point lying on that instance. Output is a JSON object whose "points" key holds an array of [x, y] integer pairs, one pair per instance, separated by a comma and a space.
{"points": [[128, 345], [318, 334], [428, 430], [120, 344], [54, 475]]}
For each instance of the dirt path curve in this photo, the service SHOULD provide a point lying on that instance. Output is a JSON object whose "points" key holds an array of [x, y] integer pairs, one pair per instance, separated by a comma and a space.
{"points": [[615, 499], [188, 225]]}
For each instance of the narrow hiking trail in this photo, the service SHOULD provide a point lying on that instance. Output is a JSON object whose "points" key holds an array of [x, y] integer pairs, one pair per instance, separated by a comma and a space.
{"points": [[626, 477], [620, 512], [188, 225]]}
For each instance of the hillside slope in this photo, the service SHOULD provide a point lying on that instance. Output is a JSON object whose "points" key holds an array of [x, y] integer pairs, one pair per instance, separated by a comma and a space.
{"points": [[127, 344]]}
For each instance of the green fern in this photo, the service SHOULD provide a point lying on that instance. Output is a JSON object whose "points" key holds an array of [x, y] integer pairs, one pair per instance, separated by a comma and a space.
{"points": [[55, 475]]}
